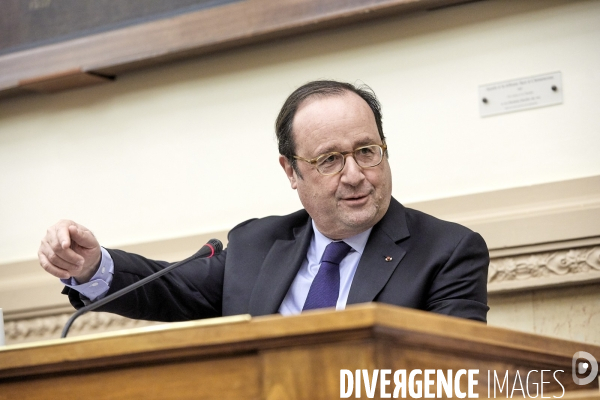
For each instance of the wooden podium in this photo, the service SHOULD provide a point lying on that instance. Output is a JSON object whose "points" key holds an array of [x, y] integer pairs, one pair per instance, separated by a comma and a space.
{"points": [[279, 358]]}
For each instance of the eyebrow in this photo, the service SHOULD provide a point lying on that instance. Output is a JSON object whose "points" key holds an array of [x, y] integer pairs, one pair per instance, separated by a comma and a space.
{"points": [[360, 143]]}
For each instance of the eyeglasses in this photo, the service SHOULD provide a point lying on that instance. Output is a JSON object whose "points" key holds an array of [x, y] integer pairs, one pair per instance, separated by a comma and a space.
{"points": [[333, 163]]}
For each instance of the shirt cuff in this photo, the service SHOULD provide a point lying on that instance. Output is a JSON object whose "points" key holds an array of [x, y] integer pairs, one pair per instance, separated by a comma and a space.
{"points": [[98, 286]]}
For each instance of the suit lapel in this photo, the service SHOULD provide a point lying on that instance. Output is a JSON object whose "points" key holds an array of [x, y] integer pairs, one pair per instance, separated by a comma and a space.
{"points": [[280, 267], [373, 271]]}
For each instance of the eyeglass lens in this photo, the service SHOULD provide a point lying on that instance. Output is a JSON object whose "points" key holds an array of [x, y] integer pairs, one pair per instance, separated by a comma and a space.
{"points": [[365, 157]]}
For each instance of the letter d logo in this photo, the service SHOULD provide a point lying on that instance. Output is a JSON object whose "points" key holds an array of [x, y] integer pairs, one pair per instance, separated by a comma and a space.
{"points": [[583, 366]]}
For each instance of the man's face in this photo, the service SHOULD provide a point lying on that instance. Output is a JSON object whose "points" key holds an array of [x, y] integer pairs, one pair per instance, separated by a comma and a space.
{"points": [[354, 200]]}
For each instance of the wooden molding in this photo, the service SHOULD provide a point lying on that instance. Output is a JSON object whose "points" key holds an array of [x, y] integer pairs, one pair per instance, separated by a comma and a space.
{"points": [[191, 34], [63, 81], [418, 328]]}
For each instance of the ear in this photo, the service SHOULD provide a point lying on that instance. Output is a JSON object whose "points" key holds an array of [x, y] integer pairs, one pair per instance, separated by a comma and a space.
{"points": [[289, 171]]}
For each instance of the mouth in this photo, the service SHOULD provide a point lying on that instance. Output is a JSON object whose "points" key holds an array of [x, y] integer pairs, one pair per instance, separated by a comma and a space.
{"points": [[355, 200]]}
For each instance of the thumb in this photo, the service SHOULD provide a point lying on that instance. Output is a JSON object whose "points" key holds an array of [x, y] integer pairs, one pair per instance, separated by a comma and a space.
{"points": [[83, 236]]}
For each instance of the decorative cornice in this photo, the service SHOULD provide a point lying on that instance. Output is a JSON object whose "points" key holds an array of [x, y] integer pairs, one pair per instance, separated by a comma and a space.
{"points": [[544, 269], [50, 327]]}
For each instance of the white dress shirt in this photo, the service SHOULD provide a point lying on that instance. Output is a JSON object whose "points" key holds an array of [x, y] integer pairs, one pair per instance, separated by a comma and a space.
{"points": [[296, 295]]}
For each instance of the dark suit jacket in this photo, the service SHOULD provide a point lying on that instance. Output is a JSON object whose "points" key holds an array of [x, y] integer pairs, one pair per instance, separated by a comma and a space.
{"points": [[435, 265]]}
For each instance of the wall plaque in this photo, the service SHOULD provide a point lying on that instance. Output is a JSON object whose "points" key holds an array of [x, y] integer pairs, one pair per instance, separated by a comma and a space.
{"points": [[520, 94]]}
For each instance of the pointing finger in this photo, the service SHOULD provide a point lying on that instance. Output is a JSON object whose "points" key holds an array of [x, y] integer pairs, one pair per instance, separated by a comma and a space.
{"points": [[62, 236]]}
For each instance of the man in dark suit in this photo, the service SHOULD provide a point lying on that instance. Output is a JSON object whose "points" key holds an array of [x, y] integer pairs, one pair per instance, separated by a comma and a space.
{"points": [[352, 243]]}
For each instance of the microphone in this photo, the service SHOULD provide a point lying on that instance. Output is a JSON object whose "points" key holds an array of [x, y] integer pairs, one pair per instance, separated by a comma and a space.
{"points": [[210, 249]]}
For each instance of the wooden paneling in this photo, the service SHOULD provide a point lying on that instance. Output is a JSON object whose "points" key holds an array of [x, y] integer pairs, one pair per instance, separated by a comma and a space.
{"points": [[191, 34], [227, 378], [316, 368]]}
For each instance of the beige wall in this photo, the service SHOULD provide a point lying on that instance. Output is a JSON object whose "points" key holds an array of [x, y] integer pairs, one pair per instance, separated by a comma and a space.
{"points": [[566, 312], [189, 148]]}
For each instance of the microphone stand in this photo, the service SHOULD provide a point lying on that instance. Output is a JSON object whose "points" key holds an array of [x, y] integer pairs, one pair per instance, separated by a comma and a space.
{"points": [[213, 247]]}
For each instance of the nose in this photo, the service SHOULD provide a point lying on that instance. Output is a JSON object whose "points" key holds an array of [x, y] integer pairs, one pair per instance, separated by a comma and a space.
{"points": [[352, 173]]}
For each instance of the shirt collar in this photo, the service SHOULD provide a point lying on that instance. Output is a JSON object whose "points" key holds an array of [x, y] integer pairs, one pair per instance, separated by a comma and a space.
{"points": [[357, 242]]}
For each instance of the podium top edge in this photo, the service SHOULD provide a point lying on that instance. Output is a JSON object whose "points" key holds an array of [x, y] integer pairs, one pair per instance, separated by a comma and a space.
{"points": [[241, 333]]}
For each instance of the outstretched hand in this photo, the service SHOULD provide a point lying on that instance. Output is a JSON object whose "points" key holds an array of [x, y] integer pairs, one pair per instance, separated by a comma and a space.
{"points": [[70, 250]]}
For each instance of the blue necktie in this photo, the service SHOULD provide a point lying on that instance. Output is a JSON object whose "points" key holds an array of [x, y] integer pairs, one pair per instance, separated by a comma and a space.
{"points": [[325, 288]]}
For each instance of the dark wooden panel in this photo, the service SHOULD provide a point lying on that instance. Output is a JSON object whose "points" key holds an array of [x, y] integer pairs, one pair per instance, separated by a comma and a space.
{"points": [[32, 23], [191, 34]]}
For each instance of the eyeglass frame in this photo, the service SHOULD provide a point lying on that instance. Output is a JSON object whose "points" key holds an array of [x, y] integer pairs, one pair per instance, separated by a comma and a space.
{"points": [[313, 161]]}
